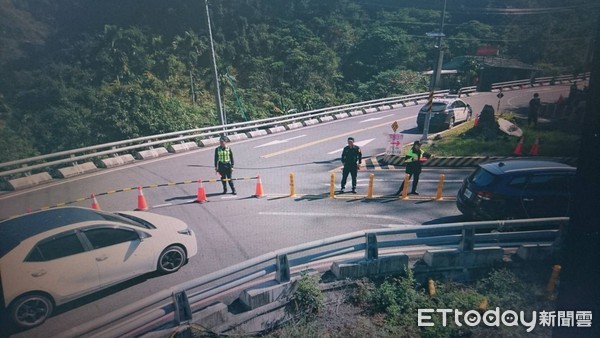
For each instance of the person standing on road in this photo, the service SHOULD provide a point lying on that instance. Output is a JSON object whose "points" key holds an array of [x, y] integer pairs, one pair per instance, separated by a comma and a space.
{"points": [[534, 108], [351, 158], [414, 159], [224, 164]]}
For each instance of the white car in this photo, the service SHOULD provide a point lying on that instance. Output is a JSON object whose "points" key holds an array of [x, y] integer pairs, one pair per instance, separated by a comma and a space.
{"points": [[50, 257], [445, 112]]}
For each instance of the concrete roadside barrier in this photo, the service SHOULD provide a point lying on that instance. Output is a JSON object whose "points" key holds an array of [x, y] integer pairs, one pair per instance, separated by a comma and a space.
{"points": [[341, 116], [325, 118], [294, 125], [77, 169], [151, 153], [356, 113], [209, 142], [310, 122], [29, 181], [181, 147], [116, 161], [276, 129], [256, 133], [236, 137]]}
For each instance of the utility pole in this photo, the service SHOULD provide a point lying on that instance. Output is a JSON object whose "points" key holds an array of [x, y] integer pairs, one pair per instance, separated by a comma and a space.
{"points": [[435, 75], [215, 73]]}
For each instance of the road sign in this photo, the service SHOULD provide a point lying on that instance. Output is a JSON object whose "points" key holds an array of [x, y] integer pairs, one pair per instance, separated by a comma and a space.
{"points": [[500, 95], [394, 144], [395, 126]]}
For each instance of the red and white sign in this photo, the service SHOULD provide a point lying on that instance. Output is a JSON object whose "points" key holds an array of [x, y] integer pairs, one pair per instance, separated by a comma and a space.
{"points": [[394, 144]]}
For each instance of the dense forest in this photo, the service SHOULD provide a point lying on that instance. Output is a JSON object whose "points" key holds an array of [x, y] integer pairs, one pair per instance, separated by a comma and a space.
{"points": [[77, 73]]}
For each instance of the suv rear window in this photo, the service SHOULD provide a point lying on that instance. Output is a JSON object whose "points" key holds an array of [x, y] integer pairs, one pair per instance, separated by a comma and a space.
{"points": [[437, 107], [482, 177]]}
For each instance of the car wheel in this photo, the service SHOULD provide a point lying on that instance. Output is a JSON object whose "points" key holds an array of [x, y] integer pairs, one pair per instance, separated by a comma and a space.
{"points": [[469, 113], [31, 310], [171, 259], [451, 123]]}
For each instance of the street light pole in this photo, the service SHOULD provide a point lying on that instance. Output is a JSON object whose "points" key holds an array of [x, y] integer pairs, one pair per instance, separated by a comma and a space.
{"points": [[215, 73], [435, 75]]}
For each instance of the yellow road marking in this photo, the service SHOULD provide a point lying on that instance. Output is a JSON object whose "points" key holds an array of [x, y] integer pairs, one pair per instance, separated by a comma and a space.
{"points": [[330, 138]]}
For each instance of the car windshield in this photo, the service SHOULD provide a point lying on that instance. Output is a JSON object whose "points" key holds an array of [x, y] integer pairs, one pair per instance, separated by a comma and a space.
{"points": [[482, 177], [437, 107]]}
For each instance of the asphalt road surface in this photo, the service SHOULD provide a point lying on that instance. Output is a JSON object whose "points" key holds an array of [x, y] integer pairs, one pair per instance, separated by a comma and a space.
{"points": [[231, 229]]}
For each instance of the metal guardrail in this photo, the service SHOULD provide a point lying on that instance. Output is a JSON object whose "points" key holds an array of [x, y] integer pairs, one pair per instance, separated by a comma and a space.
{"points": [[157, 309], [44, 162], [542, 80], [28, 165]]}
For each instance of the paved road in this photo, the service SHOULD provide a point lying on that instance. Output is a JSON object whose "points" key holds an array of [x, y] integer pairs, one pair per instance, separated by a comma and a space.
{"points": [[231, 228]]}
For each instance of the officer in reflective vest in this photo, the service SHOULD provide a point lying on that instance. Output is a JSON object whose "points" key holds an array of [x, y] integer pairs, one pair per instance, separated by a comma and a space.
{"points": [[224, 164], [414, 159]]}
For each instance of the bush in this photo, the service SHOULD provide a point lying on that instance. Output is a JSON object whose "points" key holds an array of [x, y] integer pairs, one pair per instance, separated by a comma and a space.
{"points": [[308, 298]]}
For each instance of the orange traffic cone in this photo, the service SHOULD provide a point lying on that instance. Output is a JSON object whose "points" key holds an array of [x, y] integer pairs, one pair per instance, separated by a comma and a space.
{"points": [[142, 205], [259, 188], [201, 198], [95, 204], [535, 147], [519, 148]]}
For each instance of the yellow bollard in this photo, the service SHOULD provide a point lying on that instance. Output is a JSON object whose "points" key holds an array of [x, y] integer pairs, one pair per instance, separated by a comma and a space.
{"points": [[292, 189], [552, 281], [370, 191], [405, 190], [332, 186], [438, 195], [431, 287]]}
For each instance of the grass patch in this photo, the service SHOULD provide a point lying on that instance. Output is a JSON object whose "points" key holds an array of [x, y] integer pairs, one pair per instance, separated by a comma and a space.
{"points": [[557, 139]]}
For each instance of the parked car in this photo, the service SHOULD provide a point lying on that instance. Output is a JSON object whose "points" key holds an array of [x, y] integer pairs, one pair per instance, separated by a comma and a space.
{"points": [[50, 257], [517, 189], [445, 113]]}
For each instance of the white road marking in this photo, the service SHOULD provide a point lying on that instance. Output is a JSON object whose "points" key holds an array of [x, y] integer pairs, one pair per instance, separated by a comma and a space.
{"points": [[327, 139], [359, 143], [375, 118], [272, 143]]}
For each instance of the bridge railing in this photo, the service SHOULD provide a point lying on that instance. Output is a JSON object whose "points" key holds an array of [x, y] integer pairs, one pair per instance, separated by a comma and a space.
{"points": [[542, 80], [43, 162], [48, 162], [157, 310]]}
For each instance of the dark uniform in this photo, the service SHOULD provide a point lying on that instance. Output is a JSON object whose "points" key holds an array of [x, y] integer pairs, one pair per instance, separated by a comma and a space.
{"points": [[224, 165], [534, 107], [351, 158]]}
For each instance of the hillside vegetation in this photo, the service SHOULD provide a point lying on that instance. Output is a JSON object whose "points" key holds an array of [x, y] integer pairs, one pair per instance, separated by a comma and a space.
{"points": [[77, 73]]}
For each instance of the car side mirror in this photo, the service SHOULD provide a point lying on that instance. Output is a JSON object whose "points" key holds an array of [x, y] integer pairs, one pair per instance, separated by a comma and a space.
{"points": [[143, 235]]}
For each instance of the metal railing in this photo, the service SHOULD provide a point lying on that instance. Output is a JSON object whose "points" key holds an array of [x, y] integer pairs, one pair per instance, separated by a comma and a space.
{"points": [[45, 162], [157, 310], [28, 165], [542, 80]]}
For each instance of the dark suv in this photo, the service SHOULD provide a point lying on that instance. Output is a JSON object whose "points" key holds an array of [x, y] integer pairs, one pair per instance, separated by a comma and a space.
{"points": [[517, 189]]}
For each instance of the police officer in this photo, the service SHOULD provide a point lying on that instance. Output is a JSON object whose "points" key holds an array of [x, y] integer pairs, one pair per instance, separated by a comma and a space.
{"points": [[224, 164], [351, 158], [414, 158]]}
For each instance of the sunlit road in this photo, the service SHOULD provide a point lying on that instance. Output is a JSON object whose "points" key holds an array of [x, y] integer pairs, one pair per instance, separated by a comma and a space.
{"points": [[232, 229]]}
